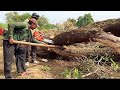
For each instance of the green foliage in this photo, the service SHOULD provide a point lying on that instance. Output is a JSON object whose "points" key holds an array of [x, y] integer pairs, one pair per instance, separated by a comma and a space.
{"points": [[87, 65], [46, 68], [108, 60], [24, 16], [73, 21], [114, 65], [60, 27], [47, 26], [104, 60], [3, 25], [72, 74], [84, 20], [44, 23], [15, 17], [76, 74], [69, 24], [80, 21], [66, 74]]}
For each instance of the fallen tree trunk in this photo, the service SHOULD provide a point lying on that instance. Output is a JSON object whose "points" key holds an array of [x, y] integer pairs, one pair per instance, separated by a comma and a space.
{"points": [[75, 36], [84, 34], [78, 36], [97, 32]]}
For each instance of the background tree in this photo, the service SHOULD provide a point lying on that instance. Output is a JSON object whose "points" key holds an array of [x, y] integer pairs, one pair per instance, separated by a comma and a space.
{"points": [[3, 25], [69, 24], [84, 20], [72, 20], [43, 22], [88, 19], [15, 17], [60, 27]]}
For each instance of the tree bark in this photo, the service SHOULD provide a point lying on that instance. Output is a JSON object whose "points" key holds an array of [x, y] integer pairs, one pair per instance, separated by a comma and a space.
{"points": [[79, 36]]}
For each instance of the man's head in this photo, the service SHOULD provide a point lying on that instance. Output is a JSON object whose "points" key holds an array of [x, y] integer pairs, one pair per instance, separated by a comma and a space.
{"points": [[33, 23], [35, 15]]}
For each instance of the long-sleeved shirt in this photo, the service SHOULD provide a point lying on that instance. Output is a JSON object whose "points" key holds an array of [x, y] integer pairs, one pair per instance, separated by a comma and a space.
{"points": [[20, 31]]}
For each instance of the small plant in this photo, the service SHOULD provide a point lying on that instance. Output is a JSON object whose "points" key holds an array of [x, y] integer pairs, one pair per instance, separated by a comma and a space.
{"points": [[72, 74], [66, 74], [104, 60], [46, 68], [109, 60], [76, 74], [115, 66]]}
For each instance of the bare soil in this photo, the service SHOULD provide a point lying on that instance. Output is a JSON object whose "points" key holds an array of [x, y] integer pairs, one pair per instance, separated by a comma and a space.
{"points": [[45, 70]]}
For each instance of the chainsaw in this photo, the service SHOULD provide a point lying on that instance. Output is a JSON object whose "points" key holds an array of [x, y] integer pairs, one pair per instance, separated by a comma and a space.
{"points": [[39, 36]]}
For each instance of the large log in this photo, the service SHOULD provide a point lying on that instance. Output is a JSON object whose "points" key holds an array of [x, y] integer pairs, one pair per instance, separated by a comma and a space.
{"points": [[76, 36], [79, 36]]}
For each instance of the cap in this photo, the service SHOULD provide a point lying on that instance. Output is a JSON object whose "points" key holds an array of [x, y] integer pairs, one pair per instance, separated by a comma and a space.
{"points": [[35, 15]]}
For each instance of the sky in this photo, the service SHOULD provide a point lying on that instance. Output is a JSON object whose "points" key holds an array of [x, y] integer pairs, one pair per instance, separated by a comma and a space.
{"points": [[61, 16]]}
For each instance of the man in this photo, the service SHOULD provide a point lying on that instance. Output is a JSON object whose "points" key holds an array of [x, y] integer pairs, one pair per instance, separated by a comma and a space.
{"points": [[16, 31], [31, 50]]}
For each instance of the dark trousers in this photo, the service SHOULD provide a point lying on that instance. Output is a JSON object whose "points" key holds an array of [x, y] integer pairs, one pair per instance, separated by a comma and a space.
{"points": [[9, 50], [31, 53]]}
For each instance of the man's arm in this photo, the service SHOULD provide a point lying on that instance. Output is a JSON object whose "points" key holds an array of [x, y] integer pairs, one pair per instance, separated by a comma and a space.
{"points": [[11, 28]]}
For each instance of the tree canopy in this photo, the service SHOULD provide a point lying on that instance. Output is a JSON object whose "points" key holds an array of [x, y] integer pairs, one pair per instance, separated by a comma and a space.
{"points": [[84, 20]]}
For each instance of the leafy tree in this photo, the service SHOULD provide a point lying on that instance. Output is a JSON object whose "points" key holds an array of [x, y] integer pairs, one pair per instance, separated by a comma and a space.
{"points": [[88, 19], [69, 24], [15, 17], [11, 17], [44, 23], [3, 25], [84, 20], [60, 26], [72, 20], [80, 21], [24, 16]]}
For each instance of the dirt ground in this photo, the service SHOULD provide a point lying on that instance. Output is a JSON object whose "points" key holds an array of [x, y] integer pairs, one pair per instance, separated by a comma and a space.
{"points": [[44, 70], [54, 69]]}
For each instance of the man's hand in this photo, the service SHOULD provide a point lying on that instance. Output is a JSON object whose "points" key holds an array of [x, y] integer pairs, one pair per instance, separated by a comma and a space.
{"points": [[11, 40]]}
